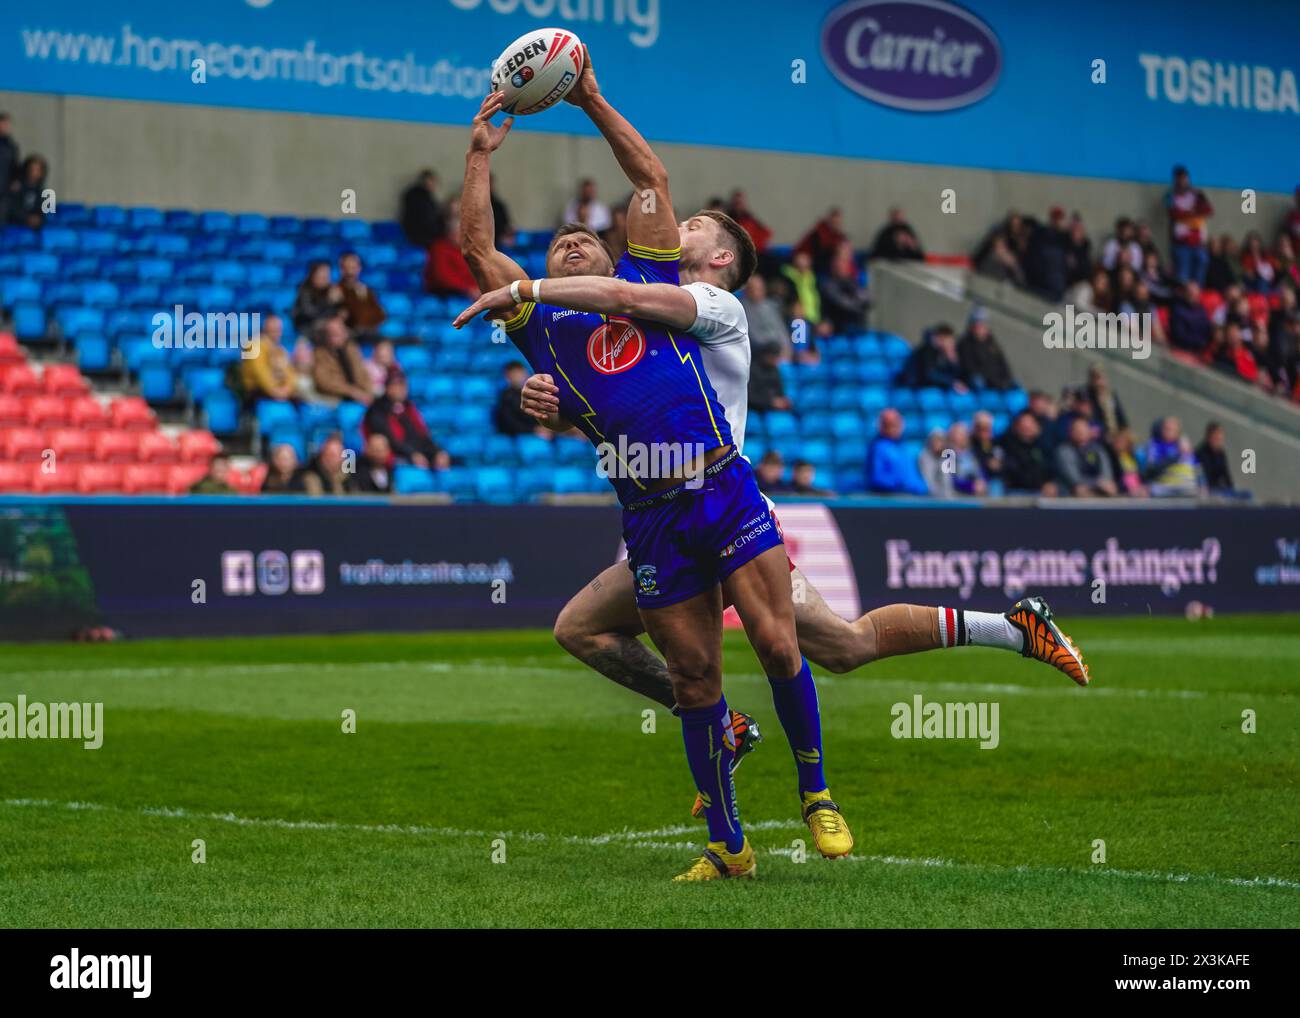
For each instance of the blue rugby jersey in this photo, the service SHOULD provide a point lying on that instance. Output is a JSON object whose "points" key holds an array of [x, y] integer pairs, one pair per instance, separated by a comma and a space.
{"points": [[633, 384]]}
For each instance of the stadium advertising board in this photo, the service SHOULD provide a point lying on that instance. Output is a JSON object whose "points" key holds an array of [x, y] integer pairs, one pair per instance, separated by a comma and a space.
{"points": [[1120, 87], [216, 566]]}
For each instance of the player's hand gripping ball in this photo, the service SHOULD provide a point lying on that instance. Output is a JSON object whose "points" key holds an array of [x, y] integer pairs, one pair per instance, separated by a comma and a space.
{"points": [[537, 70]]}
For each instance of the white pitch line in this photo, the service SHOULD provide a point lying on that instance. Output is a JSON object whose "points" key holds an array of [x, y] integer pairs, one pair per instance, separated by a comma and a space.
{"points": [[652, 839]]}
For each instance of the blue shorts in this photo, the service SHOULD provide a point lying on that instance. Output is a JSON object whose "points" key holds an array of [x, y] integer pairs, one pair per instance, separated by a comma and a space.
{"points": [[698, 537]]}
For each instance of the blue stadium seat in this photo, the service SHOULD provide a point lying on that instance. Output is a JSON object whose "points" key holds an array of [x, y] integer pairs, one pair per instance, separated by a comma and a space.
{"points": [[97, 241], [396, 328], [875, 372], [781, 424], [895, 348], [221, 412], [930, 399], [145, 218], [1015, 400], [283, 226], [570, 451], [849, 453], [273, 414], [137, 351], [59, 238], [264, 274], [100, 294], [288, 435], [846, 425], [94, 353], [354, 230], [248, 223], [495, 484], [409, 479], [142, 295], [935, 420], [498, 448], [171, 245], [571, 480], [318, 417], [463, 448], [904, 400], [962, 404], [216, 222], [318, 228], [398, 305], [16, 288], [157, 381], [534, 450], [458, 482], [78, 318], [180, 219], [200, 380], [816, 424], [350, 415], [1001, 422], [532, 481], [108, 215], [38, 264], [990, 400]]}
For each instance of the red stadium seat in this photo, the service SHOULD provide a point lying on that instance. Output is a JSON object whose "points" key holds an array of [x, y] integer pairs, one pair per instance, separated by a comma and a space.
{"points": [[198, 446], [60, 480], [13, 411], [64, 380], [250, 482], [10, 351], [182, 476], [116, 447], [19, 380], [155, 447], [1258, 306], [1211, 300], [131, 413], [24, 445], [138, 478], [71, 445], [16, 477], [1162, 313], [96, 478], [89, 413], [47, 412]]}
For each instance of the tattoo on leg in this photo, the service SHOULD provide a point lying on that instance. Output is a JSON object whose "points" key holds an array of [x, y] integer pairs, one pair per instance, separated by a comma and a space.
{"points": [[630, 663]]}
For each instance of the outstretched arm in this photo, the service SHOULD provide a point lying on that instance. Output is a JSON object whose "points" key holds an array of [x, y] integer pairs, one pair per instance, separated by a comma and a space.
{"points": [[650, 219], [491, 268], [606, 295]]}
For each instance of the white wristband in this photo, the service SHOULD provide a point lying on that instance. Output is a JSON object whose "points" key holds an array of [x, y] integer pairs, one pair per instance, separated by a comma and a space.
{"points": [[514, 291], [537, 291]]}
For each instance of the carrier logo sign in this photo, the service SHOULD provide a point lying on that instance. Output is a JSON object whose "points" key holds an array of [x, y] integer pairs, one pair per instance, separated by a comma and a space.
{"points": [[921, 55], [615, 346]]}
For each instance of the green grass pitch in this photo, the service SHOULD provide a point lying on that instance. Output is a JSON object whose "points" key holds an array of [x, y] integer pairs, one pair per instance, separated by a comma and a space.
{"points": [[474, 745]]}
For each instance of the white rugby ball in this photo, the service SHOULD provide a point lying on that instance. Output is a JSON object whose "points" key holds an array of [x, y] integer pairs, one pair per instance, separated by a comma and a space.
{"points": [[537, 70]]}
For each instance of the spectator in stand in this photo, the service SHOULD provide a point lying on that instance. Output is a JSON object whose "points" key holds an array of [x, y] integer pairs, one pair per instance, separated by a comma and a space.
{"points": [[1123, 460], [382, 359], [501, 221], [767, 325], [1122, 248], [1078, 251], [766, 387], [362, 312], [843, 298], [1230, 354], [1047, 257], [1162, 288], [930, 461], [1284, 340], [375, 468], [1258, 270], [983, 364], [1288, 269], [803, 280], [282, 475], [615, 237], [269, 375], [9, 162], [317, 299], [587, 209], [1013, 232], [423, 217], [890, 470], [1146, 239], [987, 452], [1213, 459], [27, 193], [934, 363], [1266, 368], [1139, 304], [1049, 418], [338, 368], [1123, 286], [803, 481], [324, 473], [1221, 269], [1026, 462], [395, 417], [508, 416], [739, 210], [998, 261], [1105, 404], [1189, 326], [769, 472], [217, 480], [1083, 464], [1170, 463], [1093, 294], [1291, 224], [896, 240], [967, 475], [1188, 210], [823, 240], [446, 273]]}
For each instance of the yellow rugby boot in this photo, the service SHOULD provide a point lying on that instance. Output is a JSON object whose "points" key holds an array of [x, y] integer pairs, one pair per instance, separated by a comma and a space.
{"points": [[830, 833], [718, 864]]}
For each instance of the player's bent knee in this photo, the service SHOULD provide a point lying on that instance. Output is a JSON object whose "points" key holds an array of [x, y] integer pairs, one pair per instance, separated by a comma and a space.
{"points": [[571, 634], [779, 654]]}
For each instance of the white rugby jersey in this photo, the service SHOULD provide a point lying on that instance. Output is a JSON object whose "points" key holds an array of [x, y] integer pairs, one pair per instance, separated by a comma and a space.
{"points": [[722, 330]]}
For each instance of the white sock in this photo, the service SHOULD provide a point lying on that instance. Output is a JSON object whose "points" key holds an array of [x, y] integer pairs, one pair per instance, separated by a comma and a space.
{"points": [[959, 628]]}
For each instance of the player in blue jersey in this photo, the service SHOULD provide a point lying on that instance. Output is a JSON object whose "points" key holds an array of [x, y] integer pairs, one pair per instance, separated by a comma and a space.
{"points": [[696, 527]]}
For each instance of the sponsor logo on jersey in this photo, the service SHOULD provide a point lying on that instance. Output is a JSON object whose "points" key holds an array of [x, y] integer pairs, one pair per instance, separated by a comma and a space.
{"points": [[615, 346], [647, 581], [749, 536]]}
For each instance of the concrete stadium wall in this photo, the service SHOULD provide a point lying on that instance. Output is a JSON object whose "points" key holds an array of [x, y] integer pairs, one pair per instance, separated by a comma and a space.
{"points": [[139, 153], [909, 298]]}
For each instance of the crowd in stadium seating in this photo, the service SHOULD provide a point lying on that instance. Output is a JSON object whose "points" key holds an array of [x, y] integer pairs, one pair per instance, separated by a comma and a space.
{"points": [[22, 181], [1230, 306]]}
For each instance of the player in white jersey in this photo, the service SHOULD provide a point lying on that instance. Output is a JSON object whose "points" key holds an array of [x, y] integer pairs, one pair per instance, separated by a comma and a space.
{"points": [[600, 624]]}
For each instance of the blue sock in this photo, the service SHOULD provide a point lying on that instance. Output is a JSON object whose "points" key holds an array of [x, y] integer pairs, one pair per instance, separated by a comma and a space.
{"points": [[796, 705], [710, 747]]}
